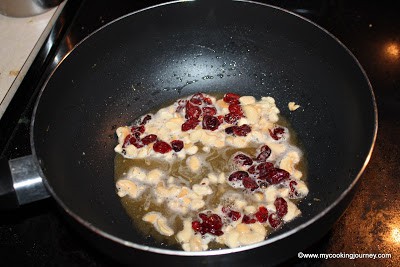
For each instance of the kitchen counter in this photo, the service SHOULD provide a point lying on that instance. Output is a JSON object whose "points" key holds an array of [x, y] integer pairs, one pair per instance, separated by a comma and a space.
{"points": [[38, 234], [21, 39]]}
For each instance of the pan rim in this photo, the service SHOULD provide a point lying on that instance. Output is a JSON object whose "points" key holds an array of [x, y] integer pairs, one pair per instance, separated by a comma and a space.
{"points": [[224, 251]]}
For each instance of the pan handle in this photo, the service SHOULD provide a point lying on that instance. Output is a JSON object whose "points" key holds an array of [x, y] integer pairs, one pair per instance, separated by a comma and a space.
{"points": [[20, 182]]}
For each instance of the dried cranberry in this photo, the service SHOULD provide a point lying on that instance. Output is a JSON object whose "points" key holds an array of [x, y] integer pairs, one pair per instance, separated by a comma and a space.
{"points": [[209, 111], [231, 98], [207, 100], [215, 221], [138, 144], [138, 129], [136, 134], [132, 140], [221, 118], [252, 169], [265, 152], [249, 183], [177, 145], [211, 224], [232, 118], [281, 207], [181, 105], [293, 192], [126, 140], [162, 147], [248, 219], [292, 185], [229, 130], [276, 133], [197, 99], [263, 169], [192, 111], [276, 175], [196, 226], [146, 119], [262, 214], [238, 176], [234, 215], [242, 159], [210, 122], [242, 130], [274, 220], [236, 109], [149, 139], [203, 216], [189, 125]]}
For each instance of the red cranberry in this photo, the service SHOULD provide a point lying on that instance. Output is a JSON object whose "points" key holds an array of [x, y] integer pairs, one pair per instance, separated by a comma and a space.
{"points": [[149, 139], [196, 226], [236, 109], [192, 111], [276, 133], [281, 207], [126, 140], [265, 152], [189, 125], [138, 144], [262, 214], [207, 100], [231, 98], [242, 159], [263, 169], [274, 220], [249, 183], [210, 122], [162, 147], [136, 134], [181, 105], [242, 130], [221, 118], [146, 119], [177, 145], [248, 219], [132, 140], [292, 185], [214, 221], [211, 224], [276, 175], [252, 169], [293, 192], [232, 214], [197, 99], [211, 111], [203, 216], [139, 129], [231, 118], [229, 130], [238, 176]]}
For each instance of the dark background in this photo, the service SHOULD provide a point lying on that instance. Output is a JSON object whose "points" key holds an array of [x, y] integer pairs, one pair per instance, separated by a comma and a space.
{"points": [[38, 235]]}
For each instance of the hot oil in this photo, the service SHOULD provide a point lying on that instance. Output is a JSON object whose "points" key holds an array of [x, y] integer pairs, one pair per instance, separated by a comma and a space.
{"points": [[295, 141], [216, 160]]}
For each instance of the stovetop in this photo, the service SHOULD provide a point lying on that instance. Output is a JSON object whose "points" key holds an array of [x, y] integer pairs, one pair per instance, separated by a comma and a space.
{"points": [[37, 234]]}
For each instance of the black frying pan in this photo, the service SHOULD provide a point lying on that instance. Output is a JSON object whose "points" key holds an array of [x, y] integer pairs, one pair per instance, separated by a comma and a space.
{"points": [[150, 58]]}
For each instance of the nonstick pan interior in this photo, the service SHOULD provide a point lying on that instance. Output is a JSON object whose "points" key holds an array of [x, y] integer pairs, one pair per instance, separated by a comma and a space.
{"points": [[149, 59]]}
